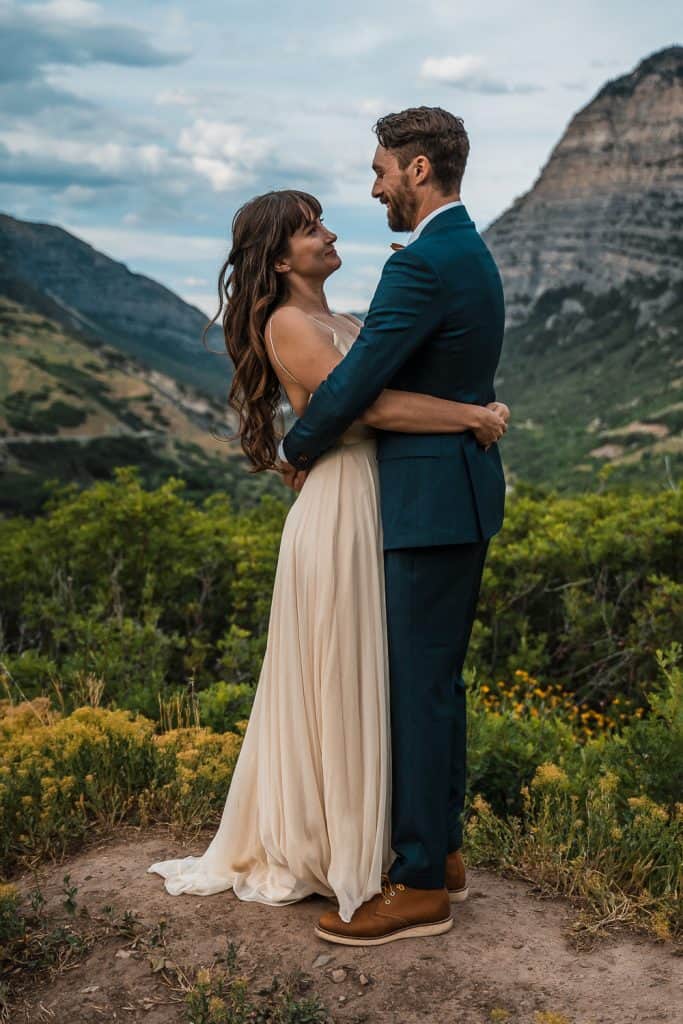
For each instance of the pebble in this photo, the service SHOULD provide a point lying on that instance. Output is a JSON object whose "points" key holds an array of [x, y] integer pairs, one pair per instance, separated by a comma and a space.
{"points": [[338, 975], [322, 959], [363, 979]]}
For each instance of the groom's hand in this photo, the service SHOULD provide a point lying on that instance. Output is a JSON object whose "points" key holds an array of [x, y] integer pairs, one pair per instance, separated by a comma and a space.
{"points": [[501, 408]]}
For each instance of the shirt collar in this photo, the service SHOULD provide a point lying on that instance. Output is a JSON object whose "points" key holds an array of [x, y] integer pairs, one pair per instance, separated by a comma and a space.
{"points": [[425, 220]]}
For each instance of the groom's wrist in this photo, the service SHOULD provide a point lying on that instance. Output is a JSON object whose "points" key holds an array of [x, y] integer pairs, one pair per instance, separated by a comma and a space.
{"points": [[302, 461]]}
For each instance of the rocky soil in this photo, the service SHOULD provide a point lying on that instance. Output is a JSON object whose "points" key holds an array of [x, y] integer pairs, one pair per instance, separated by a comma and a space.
{"points": [[509, 957]]}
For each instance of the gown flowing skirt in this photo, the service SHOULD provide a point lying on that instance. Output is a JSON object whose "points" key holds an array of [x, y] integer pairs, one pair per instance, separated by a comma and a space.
{"points": [[309, 805]]}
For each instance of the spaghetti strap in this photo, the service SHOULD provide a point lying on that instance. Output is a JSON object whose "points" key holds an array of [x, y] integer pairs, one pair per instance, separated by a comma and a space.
{"points": [[351, 317], [322, 324], [277, 358]]}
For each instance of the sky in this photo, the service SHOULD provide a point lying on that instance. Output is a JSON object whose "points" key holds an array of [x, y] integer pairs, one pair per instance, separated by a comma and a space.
{"points": [[142, 127]]}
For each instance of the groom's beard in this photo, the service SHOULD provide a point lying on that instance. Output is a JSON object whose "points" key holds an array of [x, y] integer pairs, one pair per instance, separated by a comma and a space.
{"points": [[401, 210]]}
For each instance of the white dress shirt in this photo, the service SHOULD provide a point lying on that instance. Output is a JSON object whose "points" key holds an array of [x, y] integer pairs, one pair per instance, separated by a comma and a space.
{"points": [[411, 238], [430, 216]]}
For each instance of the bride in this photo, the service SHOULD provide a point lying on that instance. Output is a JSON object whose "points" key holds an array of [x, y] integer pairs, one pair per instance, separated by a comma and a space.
{"points": [[308, 809]]}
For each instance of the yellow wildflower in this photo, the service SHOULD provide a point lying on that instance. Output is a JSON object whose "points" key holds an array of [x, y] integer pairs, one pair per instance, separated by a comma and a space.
{"points": [[550, 776]]}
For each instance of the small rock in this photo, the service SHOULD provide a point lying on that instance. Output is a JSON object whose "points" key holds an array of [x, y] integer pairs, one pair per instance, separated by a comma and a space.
{"points": [[323, 959], [363, 979], [124, 954], [338, 975], [342, 999]]}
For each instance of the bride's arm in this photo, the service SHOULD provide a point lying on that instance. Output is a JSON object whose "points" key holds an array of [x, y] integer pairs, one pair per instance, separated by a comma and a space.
{"points": [[413, 413], [308, 354]]}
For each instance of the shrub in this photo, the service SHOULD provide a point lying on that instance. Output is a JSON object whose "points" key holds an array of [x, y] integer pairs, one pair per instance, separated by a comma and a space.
{"points": [[600, 818], [62, 776]]}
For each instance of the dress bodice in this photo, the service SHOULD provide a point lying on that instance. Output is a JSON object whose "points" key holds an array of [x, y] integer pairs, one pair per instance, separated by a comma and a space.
{"points": [[344, 333]]}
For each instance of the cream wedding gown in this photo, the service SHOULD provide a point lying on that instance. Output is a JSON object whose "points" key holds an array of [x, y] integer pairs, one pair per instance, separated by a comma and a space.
{"points": [[308, 809]]}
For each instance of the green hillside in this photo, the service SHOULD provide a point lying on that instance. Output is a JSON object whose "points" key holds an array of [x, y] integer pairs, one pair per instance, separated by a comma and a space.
{"points": [[595, 385], [71, 411], [46, 268]]}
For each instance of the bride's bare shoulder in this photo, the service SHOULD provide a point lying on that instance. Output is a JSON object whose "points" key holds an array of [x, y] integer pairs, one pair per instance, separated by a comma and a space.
{"points": [[290, 320]]}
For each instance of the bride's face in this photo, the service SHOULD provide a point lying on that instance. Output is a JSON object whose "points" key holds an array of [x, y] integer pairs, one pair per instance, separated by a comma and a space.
{"points": [[311, 252]]}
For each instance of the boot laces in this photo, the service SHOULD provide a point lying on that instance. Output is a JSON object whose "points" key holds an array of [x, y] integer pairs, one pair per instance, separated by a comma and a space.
{"points": [[389, 888]]}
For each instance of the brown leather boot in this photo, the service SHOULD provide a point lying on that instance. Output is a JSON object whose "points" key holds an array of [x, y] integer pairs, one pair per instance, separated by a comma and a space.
{"points": [[397, 912], [456, 882]]}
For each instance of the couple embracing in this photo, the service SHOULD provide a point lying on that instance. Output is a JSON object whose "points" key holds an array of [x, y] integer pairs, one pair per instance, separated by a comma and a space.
{"points": [[350, 782]]}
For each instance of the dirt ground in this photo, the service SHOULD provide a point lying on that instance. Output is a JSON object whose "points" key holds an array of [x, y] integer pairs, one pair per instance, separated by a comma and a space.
{"points": [[508, 951]]}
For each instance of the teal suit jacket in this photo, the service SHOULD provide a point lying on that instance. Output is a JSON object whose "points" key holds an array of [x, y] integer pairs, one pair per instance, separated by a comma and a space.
{"points": [[435, 325]]}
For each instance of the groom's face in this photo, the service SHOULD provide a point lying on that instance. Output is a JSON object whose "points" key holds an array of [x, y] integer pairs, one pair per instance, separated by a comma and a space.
{"points": [[392, 186]]}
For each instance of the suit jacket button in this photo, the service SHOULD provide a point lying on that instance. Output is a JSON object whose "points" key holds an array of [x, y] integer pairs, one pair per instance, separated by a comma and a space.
{"points": [[303, 458]]}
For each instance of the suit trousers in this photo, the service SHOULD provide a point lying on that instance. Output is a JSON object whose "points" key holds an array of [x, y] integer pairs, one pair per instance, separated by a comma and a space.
{"points": [[431, 598]]}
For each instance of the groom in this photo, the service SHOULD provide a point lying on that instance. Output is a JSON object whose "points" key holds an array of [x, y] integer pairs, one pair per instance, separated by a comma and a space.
{"points": [[435, 325]]}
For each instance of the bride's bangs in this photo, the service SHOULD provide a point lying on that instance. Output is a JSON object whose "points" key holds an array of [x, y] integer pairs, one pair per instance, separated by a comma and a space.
{"points": [[301, 209]]}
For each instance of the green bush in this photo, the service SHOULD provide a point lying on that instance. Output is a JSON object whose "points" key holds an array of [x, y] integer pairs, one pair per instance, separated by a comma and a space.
{"points": [[598, 817], [222, 705], [582, 591], [60, 776], [141, 588]]}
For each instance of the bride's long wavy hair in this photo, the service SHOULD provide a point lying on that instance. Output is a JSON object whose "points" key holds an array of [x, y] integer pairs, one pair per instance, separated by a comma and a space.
{"points": [[249, 290]]}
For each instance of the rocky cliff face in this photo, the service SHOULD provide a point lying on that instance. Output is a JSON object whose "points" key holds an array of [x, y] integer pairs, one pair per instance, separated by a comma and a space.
{"points": [[608, 205]]}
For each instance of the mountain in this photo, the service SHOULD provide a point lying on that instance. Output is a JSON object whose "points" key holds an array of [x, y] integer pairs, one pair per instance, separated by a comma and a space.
{"points": [[72, 410], [47, 268], [608, 205], [592, 264]]}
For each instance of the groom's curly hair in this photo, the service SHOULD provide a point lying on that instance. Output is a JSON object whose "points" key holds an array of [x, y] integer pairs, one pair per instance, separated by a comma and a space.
{"points": [[427, 131], [249, 290]]}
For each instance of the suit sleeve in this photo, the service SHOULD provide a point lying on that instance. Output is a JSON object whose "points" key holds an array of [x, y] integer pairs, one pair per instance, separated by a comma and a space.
{"points": [[404, 312]]}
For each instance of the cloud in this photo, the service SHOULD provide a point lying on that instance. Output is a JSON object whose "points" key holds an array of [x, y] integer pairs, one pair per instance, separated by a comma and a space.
{"points": [[174, 98], [342, 41], [22, 167], [32, 97], [79, 195], [79, 10], [469, 73], [30, 40], [55, 163], [143, 244], [223, 152], [66, 33]]}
